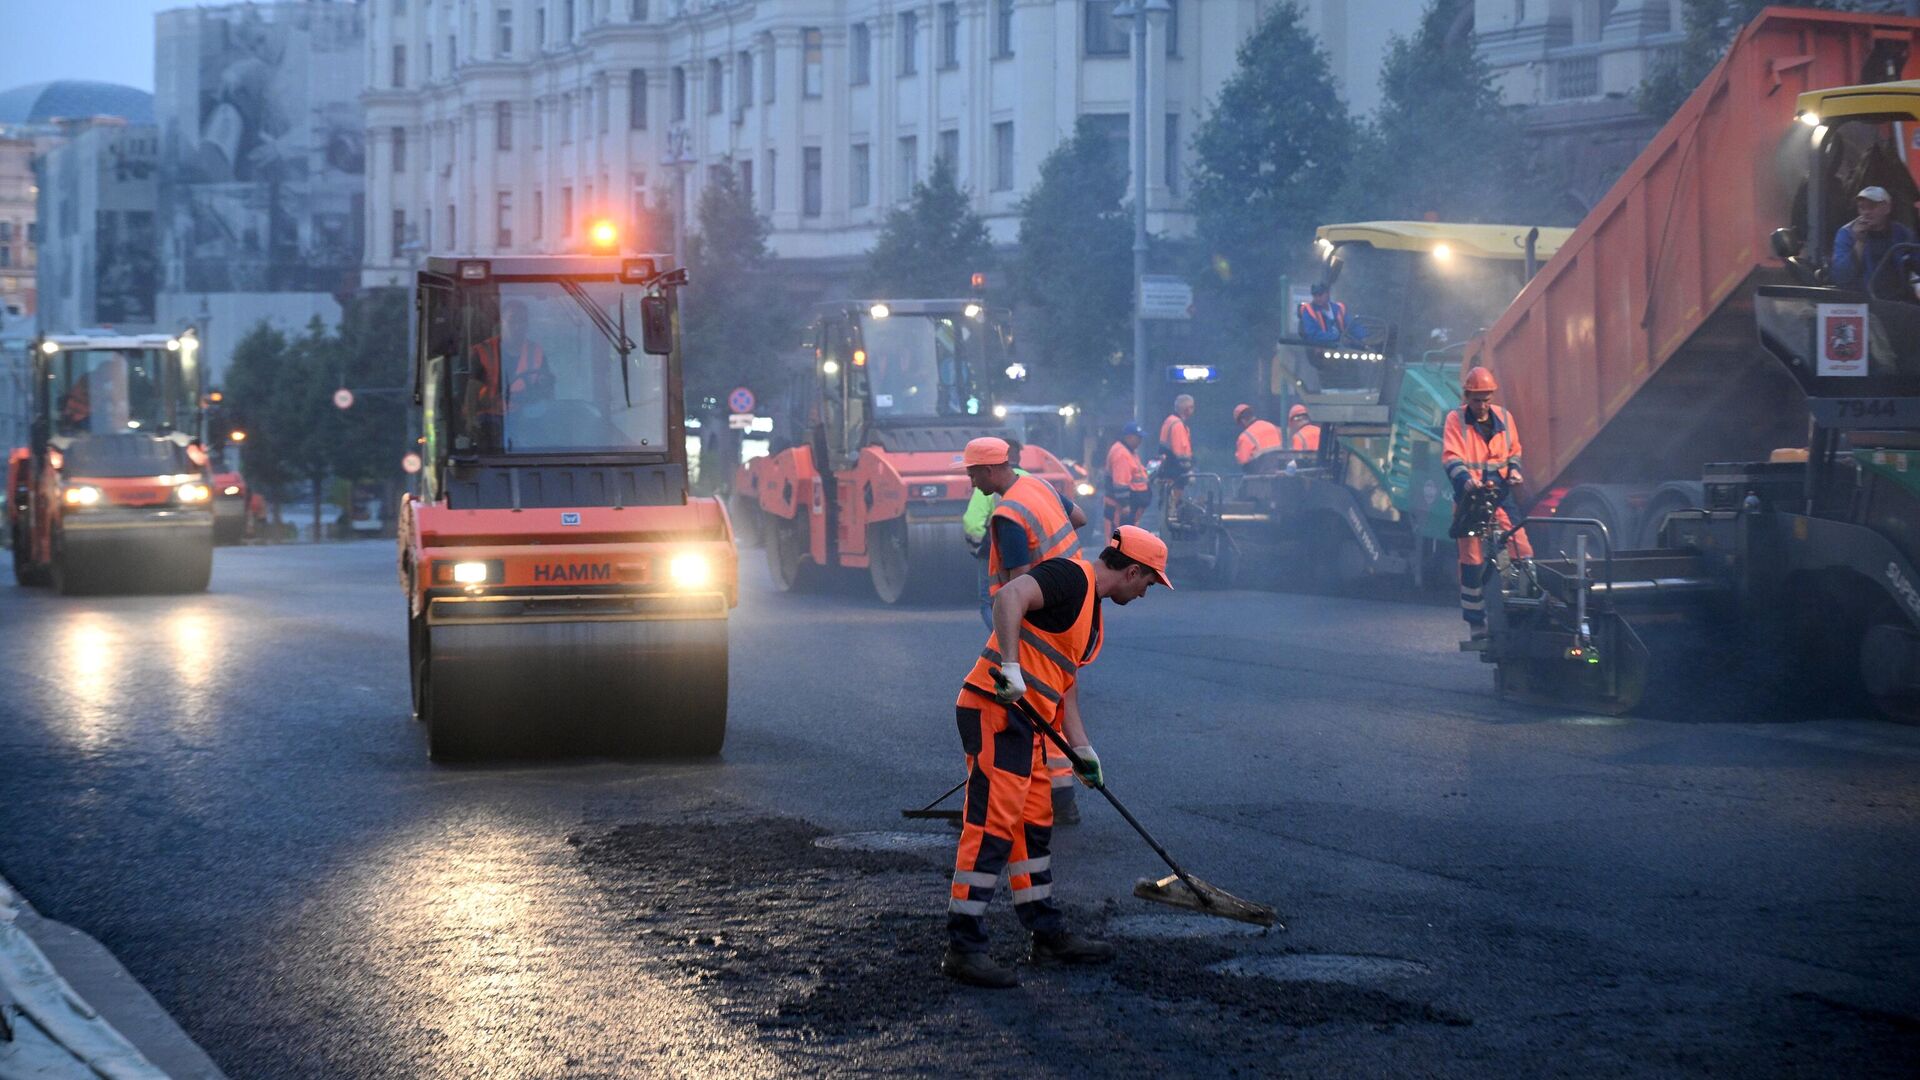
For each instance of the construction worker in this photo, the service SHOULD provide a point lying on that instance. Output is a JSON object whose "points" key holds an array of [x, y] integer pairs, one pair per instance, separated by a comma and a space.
{"points": [[1259, 444], [1861, 245], [490, 392], [1127, 482], [973, 523], [1046, 627], [1305, 435], [1030, 523], [1176, 453], [1323, 320], [1481, 447]]}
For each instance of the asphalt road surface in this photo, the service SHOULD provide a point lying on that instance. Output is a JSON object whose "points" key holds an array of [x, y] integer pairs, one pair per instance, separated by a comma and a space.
{"points": [[228, 792]]}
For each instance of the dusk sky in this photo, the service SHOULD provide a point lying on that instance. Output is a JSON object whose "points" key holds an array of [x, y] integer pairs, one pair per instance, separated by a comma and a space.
{"points": [[101, 40]]}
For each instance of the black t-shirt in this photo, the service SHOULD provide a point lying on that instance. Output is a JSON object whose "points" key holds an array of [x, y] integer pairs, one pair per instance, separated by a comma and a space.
{"points": [[1063, 589]]}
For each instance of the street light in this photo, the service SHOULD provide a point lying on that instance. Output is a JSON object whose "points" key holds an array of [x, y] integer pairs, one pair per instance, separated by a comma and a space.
{"points": [[1134, 10]]}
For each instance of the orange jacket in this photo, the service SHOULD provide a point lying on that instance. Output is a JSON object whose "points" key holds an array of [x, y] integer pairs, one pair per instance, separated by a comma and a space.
{"points": [[1048, 662], [1259, 437], [1307, 438], [1464, 453], [1050, 534], [1124, 471], [486, 356], [1175, 439]]}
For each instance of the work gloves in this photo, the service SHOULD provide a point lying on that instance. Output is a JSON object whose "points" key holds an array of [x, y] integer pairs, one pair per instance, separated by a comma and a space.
{"points": [[1009, 686], [1088, 770]]}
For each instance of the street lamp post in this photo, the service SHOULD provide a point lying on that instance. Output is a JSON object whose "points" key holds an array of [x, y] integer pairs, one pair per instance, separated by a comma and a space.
{"points": [[1141, 13]]}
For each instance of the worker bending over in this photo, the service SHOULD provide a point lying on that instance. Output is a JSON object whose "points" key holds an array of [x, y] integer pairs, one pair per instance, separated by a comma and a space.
{"points": [[1127, 482], [1260, 443], [1481, 448], [1176, 453], [1046, 627]]}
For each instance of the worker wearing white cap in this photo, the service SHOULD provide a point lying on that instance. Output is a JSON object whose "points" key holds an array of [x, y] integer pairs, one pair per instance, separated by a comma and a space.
{"points": [[1862, 245]]}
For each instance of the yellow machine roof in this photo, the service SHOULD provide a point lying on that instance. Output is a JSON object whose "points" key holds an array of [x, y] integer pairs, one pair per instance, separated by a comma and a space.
{"points": [[1893, 99], [1473, 241]]}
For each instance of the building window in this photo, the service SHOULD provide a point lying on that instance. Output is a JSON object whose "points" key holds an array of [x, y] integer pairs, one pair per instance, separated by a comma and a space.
{"points": [[399, 143], [1173, 153], [746, 181], [1113, 129], [1002, 29], [566, 119], [950, 148], [1105, 36], [426, 67], [768, 67], [637, 100], [453, 234], [950, 35], [716, 85], [452, 55], [743, 77], [503, 220], [812, 54], [503, 32], [810, 182], [773, 182], [566, 213], [539, 213], [566, 21], [1170, 26], [860, 54], [636, 10], [716, 174], [503, 125], [540, 27], [1003, 156], [639, 188], [540, 122], [399, 239], [602, 107], [399, 67], [909, 31], [860, 178], [679, 94], [908, 170]]}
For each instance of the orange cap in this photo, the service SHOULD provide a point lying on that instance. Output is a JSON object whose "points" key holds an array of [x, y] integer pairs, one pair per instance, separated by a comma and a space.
{"points": [[1241, 410], [1298, 412], [1480, 381], [1144, 548], [985, 450]]}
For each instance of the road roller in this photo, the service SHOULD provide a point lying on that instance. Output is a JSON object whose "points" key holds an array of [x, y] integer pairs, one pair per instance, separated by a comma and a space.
{"points": [[113, 492], [884, 396], [565, 591]]}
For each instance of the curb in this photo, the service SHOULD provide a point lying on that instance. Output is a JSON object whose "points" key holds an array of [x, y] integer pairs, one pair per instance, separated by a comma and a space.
{"points": [[49, 1029]]}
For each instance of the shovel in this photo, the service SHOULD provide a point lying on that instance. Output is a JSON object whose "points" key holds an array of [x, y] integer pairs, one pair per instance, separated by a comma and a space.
{"points": [[1179, 889], [928, 812]]}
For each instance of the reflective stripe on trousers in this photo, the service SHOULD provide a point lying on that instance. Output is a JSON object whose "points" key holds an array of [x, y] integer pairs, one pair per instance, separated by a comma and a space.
{"points": [[1007, 827]]}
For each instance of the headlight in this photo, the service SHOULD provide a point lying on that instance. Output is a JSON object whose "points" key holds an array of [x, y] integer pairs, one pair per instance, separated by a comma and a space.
{"points": [[230, 489], [469, 573], [193, 493], [689, 570], [1083, 489], [82, 495]]}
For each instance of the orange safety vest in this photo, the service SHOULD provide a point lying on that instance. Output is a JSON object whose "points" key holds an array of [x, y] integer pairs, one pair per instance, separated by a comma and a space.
{"points": [[1048, 662], [1050, 534], [1259, 437], [487, 354], [1464, 451], [1307, 438], [1336, 309], [1174, 437], [1124, 471]]}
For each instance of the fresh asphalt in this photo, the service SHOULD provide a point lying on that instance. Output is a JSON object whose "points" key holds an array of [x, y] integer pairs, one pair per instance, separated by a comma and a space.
{"points": [[227, 791]]}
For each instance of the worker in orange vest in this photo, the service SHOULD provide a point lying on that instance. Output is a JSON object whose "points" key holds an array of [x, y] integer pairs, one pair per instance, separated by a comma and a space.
{"points": [[1046, 627], [1259, 441], [1176, 450], [1479, 448], [1323, 320], [492, 390], [1306, 436], [1127, 481]]}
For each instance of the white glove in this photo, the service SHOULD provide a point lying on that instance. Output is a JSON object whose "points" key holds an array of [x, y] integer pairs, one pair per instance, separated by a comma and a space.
{"points": [[1089, 771], [1011, 686]]}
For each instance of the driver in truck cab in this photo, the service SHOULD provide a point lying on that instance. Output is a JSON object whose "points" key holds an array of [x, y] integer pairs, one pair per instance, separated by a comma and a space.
{"points": [[490, 393]]}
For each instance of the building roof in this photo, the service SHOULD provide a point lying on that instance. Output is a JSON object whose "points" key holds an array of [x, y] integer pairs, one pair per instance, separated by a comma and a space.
{"points": [[1474, 241], [39, 103]]}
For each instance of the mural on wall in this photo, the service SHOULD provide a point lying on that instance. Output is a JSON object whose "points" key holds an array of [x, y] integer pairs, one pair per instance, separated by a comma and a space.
{"points": [[126, 266]]}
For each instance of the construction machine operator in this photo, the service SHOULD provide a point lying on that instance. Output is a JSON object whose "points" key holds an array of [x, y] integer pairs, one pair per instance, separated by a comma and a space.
{"points": [[1863, 244], [1480, 449], [1127, 482], [492, 390], [1260, 444], [1323, 320], [1176, 452], [1046, 627]]}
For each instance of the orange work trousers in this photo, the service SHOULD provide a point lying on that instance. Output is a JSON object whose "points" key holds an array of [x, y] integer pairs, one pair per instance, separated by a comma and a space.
{"points": [[1473, 568], [1007, 826]]}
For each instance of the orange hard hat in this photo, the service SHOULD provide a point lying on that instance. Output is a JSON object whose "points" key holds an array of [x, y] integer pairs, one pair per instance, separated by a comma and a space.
{"points": [[985, 450], [1242, 409], [1298, 412], [1144, 548], [1480, 380]]}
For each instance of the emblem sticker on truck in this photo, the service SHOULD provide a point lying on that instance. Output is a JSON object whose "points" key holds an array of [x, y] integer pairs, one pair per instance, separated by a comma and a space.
{"points": [[569, 517]]}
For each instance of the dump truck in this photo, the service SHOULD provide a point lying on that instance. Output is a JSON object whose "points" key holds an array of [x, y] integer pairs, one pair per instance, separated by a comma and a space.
{"points": [[113, 493], [884, 397], [563, 587]]}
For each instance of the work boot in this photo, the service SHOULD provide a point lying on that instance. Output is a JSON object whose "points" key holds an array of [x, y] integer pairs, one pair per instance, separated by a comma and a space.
{"points": [[1479, 634], [1068, 948], [1066, 809], [977, 969]]}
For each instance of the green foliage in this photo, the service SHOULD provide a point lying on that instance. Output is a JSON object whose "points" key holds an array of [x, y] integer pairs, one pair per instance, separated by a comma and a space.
{"points": [[1270, 159], [1074, 270], [932, 246], [1711, 26], [734, 318]]}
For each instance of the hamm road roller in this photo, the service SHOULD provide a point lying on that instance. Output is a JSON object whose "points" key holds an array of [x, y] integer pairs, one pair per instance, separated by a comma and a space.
{"points": [[564, 590]]}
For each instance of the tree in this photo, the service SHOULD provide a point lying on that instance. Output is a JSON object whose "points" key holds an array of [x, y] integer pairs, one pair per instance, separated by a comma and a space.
{"points": [[1269, 160], [371, 347], [930, 247], [1074, 269], [734, 319], [1711, 26]]}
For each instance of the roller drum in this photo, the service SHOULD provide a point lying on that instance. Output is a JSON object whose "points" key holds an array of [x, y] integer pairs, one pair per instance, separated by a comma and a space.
{"points": [[921, 562]]}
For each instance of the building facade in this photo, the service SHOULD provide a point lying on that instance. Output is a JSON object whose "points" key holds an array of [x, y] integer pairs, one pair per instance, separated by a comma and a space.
{"points": [[505, 125], [100, 246], [18, 231]]}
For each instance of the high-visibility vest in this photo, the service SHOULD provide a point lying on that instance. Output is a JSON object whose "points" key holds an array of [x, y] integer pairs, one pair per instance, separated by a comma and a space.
{"points": [[1307, 438], [529, 360], [1464, 451], [1259, 437], [1048, 662], [1124, 471], [1174, 437], [1332, 320], [1050, 534]]}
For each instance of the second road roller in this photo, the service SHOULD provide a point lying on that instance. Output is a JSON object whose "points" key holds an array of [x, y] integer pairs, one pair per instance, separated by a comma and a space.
{"points": [[564, 588]]}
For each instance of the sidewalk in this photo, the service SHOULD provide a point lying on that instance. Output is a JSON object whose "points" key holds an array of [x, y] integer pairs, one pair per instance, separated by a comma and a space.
{"points": [[68, 1009]]}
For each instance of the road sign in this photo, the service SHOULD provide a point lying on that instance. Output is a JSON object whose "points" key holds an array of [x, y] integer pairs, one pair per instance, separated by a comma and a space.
{"points": [[410, 464], [740, 400], [1164, 296], [343, 398], [741, 421]]}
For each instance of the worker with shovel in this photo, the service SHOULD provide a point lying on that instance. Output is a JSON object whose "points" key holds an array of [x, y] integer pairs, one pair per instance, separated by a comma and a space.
{"points": [[1046, 626]]}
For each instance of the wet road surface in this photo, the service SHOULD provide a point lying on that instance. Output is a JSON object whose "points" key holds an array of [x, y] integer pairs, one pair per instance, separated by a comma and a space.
{"points": [[228, 792]]}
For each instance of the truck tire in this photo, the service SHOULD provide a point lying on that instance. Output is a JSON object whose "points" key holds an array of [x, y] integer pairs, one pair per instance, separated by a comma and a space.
{"points": [[418, 673], [192, 570], [1612, 504], [1669, 497], [920, 562], [788, 560], [25, 571], [69, 576]]}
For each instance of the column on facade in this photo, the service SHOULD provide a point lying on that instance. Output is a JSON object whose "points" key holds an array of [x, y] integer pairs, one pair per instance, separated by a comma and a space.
{"points": [[884, 151], [836, 95], [1049, 90], [976, 111], [1156, 105], [789, 105]]}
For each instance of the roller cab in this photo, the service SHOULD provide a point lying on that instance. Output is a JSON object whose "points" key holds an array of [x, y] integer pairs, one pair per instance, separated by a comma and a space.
{"points": [[565, 592]]}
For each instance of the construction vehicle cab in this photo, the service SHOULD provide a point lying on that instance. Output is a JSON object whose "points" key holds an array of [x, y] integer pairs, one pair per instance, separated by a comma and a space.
{"points": [[885, 395], [113, 492], [561, 580]]}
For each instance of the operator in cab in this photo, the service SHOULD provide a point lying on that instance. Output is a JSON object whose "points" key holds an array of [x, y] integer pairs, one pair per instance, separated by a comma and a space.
{"points": [[492, 390]]}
